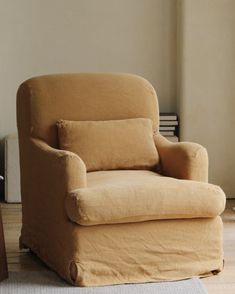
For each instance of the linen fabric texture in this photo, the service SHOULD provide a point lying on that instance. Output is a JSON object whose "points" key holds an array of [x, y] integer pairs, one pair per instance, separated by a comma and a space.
{"points": [[132, 196], [113, 226], [110, 145]]}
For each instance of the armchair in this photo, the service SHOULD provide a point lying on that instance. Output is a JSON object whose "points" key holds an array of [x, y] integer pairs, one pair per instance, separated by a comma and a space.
{"points": [[112, 226]]}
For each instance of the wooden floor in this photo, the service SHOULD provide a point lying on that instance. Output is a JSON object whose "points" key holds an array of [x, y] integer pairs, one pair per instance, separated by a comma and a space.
{"points": [[224, 283]]}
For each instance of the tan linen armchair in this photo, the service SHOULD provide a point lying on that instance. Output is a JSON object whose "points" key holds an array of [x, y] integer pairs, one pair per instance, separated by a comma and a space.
{"points": [[177, 236]]}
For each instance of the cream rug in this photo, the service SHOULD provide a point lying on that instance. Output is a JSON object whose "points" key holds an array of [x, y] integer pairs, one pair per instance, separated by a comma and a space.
{"points": [[47, 282]]}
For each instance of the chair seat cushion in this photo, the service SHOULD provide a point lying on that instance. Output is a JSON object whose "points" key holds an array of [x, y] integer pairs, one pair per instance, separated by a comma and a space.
{"points": [[133, 196]]}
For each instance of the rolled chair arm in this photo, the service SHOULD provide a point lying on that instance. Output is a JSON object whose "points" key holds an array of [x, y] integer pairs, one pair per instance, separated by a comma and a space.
{"points": [[47, 176], [52, 161], [183, 160]]}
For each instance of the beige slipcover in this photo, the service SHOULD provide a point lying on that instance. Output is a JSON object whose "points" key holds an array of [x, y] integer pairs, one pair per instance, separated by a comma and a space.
{"points": [[119, 226]]}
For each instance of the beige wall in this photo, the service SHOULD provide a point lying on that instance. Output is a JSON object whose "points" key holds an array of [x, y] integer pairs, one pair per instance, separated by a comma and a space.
{"points": [[206, 84], [137, 36], [48, 36]]}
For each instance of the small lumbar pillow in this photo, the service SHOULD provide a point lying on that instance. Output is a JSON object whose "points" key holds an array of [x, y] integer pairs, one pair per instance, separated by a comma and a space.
{"points": [[113, 144]]}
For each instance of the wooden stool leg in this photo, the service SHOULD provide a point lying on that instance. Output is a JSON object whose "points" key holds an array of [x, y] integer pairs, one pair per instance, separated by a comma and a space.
{"points": [[3, 259]]}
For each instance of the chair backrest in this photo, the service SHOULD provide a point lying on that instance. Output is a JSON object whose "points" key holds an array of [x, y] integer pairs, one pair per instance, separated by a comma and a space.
{"points": [[42, 100]]}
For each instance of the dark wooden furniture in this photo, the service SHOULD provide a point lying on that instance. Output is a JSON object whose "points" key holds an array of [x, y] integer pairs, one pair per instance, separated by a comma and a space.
{"points": [[3, 259]]}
